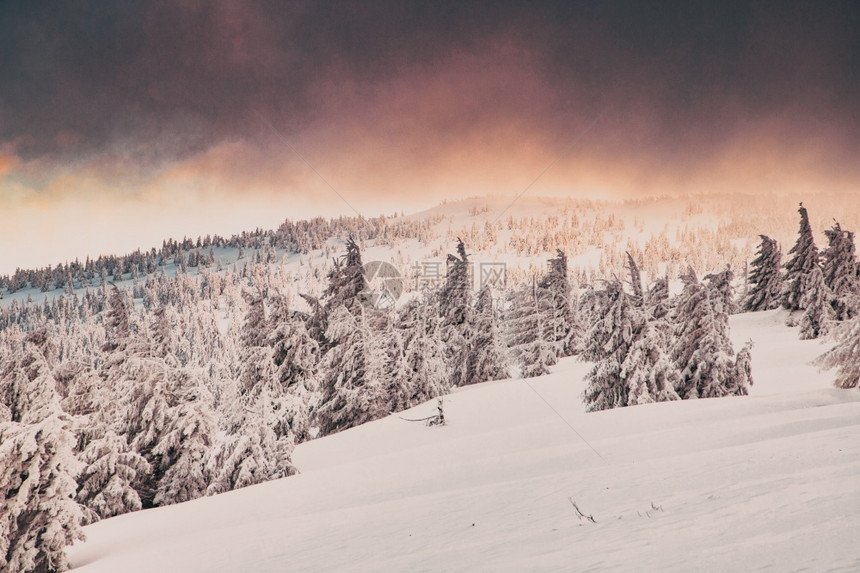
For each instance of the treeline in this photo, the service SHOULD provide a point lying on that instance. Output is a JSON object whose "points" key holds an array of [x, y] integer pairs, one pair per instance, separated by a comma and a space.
{"points": [[293, 236]]}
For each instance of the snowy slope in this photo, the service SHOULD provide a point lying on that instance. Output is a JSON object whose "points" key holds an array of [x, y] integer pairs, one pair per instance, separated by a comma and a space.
{"points": [[765, 481]]}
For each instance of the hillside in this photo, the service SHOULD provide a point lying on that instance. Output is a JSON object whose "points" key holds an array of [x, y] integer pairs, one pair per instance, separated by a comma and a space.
{"points": [[767, 481]]}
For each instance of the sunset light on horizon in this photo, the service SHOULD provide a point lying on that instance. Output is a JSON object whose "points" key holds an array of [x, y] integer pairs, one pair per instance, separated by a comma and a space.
{"points": [[158, 119]]}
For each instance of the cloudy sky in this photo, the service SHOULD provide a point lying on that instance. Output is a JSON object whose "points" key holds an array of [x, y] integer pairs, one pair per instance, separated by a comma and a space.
{"points": [[125, 122]]}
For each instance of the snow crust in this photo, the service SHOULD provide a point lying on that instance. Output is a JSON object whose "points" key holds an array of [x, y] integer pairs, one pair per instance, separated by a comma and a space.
{"points": [[767, 481]]}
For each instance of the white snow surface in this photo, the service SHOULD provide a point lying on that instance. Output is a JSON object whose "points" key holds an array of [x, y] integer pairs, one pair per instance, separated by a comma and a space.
{"points": [[768, 481]]}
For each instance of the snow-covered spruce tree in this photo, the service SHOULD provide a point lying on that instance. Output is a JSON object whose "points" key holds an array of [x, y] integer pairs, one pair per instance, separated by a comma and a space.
{"points": [[39, 516], [347, 282], [818, 313], [799, 268], [703, 352], [766, 278], [839, 268], [845, 356], [486, 359], [162, 410], [589, 308], [426, 374], [250, 453], [608, 343], [651, 374], [648, 368], [296, 357], [595, 305], [722, 291], [186, 439], [657, 302], [529, 351], [110, 468], [258, 442], [556, 307], [457, 319], [635, 281], [354, 386], [27, 384], [110, 465]]}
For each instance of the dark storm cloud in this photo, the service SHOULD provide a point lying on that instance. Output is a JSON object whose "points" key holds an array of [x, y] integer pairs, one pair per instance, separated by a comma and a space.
{"points": [[159, 81]]}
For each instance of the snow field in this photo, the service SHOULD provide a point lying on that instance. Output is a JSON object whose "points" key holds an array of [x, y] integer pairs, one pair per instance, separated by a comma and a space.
{"points": [[767, 481]]}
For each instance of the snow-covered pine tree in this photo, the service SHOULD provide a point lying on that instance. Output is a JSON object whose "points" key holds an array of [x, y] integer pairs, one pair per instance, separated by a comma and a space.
{"points": [[426, 374], [347, 282], [722, 291], [608, 344], [530, 352], [161, 410], [657, 302], [703, 352], [591, 307], [110, 468], [296, 357], [186, 440], [486, 360], [457, 319], [635, 281], [766, 278], [40, 515], [845, 356], [556, 306], [250, 453], [818, 313], [37, 485], [257, 442], [648, 369], [839, 268], [110, 465], [354, 386], [27, 384], [799, 268]]}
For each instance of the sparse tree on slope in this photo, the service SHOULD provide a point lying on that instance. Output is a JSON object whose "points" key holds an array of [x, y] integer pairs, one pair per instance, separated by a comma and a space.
{"points": [[765, 279], [799, 269]]}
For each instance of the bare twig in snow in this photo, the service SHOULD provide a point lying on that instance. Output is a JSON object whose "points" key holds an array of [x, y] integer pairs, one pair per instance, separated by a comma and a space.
{"points": [[579, 513]]}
